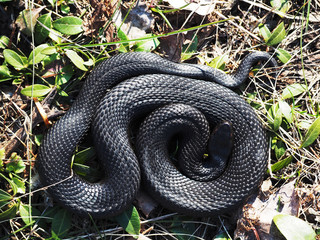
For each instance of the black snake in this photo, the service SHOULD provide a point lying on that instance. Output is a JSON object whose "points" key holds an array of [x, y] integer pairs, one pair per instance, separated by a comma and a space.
{"points": [[129, 86]]}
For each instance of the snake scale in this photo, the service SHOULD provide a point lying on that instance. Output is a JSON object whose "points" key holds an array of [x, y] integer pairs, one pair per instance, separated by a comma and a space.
{"points": [[183, 99]]}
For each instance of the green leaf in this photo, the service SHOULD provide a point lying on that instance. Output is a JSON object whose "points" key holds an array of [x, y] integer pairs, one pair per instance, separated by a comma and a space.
{"points": [[125, 47], [26, 214], [21, 188], [76, 59], [88, 173], [275, 116], [146, 46], [283, 55], [38, 55], [64, 75], [4, 196], [221, 236], [52, 2], [279, 147], [281, 164], [277, 35], [14, 59], [219, 62], [9, 213], [130, 221], [280, 5], [65, 9], [49, 50], [68, 25], [265, 32], [84, 155], [41, 33], [12, 184], [16, 164], [4, 71], [4, 42], [293, 228], [312, 133], [293, 90], [38, 139], [39, 90], [286, 111], [55, 36], [61, 223], [188, 50]]}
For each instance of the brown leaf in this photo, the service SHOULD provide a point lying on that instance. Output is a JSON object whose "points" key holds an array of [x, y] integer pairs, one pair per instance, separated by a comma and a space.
{"points": [[28, 19]]}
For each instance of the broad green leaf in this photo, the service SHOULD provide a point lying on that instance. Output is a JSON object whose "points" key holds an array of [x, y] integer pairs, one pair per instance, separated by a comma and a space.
{"points": [[4, 71], [21, 188], [2, 157], [4, 196], [38, 55], [55, 36], [38, 139], [9, 213], [61, 223], [65, 9], [76, 59], [275, 116], [265, 32], [122, 36], [304, 124], [219, 62], [286, 111], [281, 164], [130, 221], [279, 147], [52, 2], [64, 75], [293, 90], [12, 184], [312, 133], [26, 214], [14, 59], [49, 50], [41, 33], [221, 236], [293, 228], [88, 173], [283, 55], [4, 42], [281, 5], [27, 20], [146, 46], [39, 90], [84, 155], [277, 35], [68, 25], [188, 50], [16, 164]]}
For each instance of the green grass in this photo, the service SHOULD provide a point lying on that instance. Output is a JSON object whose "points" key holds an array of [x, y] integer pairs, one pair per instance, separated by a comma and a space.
{"points": [[288, 105]]}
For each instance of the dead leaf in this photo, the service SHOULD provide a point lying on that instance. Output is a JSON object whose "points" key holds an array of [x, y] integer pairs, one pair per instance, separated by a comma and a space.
{"points": [[258, 213], [27, 19]]}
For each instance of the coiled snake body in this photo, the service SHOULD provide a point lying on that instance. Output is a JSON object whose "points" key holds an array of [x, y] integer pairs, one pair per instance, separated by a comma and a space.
{"points": [[128, 86]]}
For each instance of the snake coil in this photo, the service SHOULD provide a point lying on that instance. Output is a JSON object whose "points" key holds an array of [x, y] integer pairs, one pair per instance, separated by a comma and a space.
{"points": [[128, 86]]}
